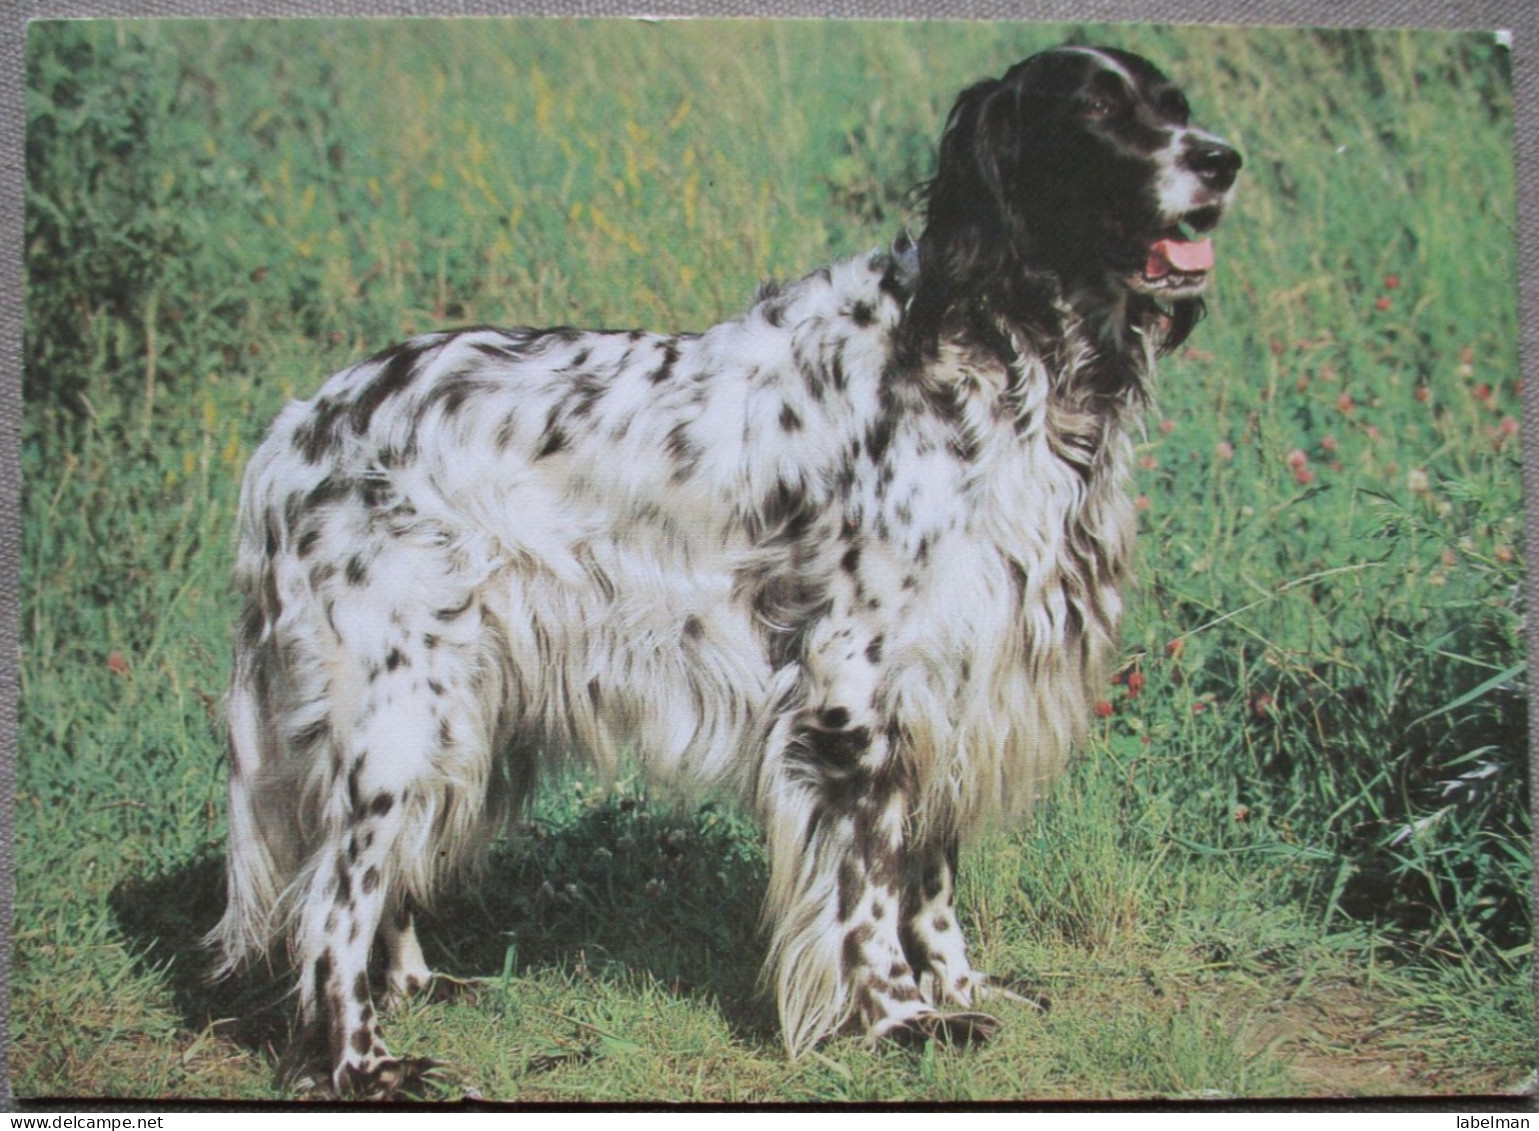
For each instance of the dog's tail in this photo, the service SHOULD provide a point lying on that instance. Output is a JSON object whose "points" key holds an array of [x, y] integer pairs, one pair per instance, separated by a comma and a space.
{"points": [[266, 748], [259, 866]]}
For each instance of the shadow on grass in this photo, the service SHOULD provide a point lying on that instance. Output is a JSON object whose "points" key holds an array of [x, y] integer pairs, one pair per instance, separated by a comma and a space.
{"points": [[612, 886]]}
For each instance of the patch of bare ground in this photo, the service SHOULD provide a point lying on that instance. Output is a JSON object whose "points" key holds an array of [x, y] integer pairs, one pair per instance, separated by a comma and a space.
{"points": [[1339, 1038]]}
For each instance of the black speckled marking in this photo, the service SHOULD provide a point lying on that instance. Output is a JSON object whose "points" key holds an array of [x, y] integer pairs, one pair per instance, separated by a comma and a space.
{"points": [[834, 718], [399, 369], [556, 440]]}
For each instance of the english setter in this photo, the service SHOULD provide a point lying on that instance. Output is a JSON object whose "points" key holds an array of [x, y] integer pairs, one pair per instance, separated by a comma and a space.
{"points": [[858, 553]]}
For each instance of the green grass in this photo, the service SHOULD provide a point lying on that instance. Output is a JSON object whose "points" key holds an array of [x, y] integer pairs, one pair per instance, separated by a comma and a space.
{"points": [[1295, 859]]}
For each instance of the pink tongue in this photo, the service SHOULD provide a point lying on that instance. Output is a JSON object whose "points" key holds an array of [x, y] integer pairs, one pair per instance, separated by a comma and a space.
{"points": [[1187, 257]]}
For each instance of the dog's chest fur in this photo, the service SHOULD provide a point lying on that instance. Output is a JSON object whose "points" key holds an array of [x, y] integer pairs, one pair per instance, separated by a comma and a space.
{"points": [[678, 541]]}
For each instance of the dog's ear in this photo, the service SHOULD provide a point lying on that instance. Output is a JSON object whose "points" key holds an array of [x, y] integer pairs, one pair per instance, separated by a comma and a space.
{"points": [[980, 249], [967, 234], [968, 175]]}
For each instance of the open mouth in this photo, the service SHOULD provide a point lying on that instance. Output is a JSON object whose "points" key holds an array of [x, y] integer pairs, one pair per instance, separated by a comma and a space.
{"points": [[1177, 262]]}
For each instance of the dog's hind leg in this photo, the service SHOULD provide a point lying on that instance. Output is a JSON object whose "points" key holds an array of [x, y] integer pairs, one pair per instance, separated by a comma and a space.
{"points": [[404, 799], [344, 906]]}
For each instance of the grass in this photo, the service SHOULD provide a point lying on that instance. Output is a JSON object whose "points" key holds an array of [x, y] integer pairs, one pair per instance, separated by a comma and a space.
{"points": [[1295, 859]]}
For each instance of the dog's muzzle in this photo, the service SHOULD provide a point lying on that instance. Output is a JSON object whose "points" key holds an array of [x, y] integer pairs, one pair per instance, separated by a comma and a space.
{"points": [[1177, 264]]}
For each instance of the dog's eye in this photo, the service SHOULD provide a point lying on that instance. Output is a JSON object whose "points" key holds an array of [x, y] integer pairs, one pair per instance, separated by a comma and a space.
{"points": [[1100, 106]]}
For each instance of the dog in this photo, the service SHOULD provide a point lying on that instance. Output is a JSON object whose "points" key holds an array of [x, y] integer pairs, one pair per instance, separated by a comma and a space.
{"points": [[858, 554]]}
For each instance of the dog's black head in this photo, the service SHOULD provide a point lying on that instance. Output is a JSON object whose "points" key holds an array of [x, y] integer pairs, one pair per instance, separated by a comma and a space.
{"points": [[1076, 177]]}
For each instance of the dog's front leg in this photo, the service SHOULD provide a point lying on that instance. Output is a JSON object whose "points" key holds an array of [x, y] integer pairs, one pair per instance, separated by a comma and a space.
{"points": [[834, 805], [932, 936], [837, 808]]}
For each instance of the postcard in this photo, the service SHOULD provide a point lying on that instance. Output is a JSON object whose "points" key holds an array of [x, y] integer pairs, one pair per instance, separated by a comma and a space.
{"points": [[770, 561]]}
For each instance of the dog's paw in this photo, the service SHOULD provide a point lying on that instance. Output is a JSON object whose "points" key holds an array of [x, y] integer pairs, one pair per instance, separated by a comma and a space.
{"points": [[389, 1078], [960, 1029], [305, 1070]]}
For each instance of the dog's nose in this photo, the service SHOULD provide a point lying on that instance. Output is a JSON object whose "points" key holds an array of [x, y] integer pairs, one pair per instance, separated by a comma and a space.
{"points": [[1216, 164]]}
